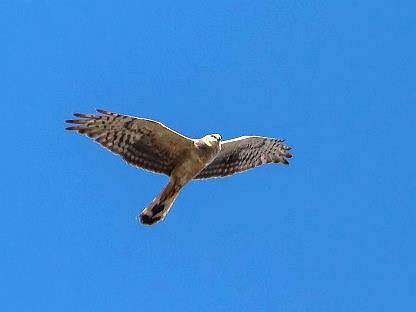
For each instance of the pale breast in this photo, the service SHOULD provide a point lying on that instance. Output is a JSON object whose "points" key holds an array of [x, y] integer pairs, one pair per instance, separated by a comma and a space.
{"points": [[193, 162]]}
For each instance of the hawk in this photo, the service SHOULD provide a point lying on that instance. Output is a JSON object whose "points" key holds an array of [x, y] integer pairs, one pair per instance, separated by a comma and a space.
{"points": [[150, 145]]}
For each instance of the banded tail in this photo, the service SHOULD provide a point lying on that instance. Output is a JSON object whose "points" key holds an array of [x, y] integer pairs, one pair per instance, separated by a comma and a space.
{"points": [[161, 205]]}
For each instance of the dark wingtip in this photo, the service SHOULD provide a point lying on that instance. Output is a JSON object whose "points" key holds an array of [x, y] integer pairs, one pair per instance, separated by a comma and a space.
{"points": [[72, 128], [76, 121], [81, 115], [105, 112]]}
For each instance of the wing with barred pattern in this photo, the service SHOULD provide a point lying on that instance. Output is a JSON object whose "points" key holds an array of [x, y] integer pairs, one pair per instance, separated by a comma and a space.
{"points": [[141, 142], [244, 153]]}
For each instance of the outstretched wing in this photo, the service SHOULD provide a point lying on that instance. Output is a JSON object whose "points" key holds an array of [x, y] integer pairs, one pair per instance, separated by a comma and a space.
{"points": [[243, 153], [141, 142]]}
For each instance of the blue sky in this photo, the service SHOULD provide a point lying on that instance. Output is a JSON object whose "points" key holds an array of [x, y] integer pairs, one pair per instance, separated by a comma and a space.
{"points": [[334, 231]]}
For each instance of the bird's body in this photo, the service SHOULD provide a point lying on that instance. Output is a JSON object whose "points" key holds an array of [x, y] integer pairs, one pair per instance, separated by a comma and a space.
{"points": [[192, 162], [151, 145]]}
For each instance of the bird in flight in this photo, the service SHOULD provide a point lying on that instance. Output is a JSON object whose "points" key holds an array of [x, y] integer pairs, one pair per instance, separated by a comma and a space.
{"points": [[150, 145]]}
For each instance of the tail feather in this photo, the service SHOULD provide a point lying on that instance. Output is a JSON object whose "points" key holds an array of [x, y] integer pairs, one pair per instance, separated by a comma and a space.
{"points": [[161, 205]]}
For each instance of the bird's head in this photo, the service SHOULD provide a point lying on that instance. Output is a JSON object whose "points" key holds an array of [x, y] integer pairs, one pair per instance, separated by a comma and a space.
{"points": [[212, 139], [216, 136]]}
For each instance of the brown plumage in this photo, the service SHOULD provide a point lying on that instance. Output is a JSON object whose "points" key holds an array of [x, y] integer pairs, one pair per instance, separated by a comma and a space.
{"points": [[151, 145]]}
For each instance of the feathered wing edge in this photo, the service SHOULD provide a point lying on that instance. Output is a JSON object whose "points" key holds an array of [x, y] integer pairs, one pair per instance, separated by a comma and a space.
{"points": [[243, 153], [141, 142]]}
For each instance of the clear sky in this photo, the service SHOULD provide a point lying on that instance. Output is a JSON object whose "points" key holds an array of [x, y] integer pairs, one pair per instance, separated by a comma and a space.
{"points": [[333, 231]]}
